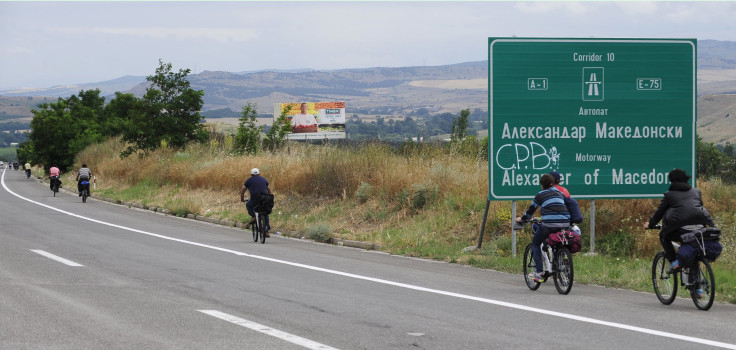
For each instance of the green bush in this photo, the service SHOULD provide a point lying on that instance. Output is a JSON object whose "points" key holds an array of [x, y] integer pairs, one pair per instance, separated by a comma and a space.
{"points": [[319, 233], [423, 194], [363, 192], [618, 243]]}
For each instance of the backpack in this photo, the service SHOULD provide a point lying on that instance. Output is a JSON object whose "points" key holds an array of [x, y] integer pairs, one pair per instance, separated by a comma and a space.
{"points": [[265, 205], [703, 234], [688, 252], [566, 237], [576, 216]]}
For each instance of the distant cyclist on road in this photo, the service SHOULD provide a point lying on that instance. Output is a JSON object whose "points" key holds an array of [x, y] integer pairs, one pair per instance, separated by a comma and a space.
{"points": [[54, 177], [84, 174], [257, 185], [27, 166]]}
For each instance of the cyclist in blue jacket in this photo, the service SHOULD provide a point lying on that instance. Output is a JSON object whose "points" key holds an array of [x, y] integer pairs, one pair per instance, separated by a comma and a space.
{"points": [[555, 217], [257, 185]]}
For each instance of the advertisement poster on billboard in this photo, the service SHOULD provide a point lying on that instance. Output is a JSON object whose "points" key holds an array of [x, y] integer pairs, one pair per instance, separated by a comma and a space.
{"points": [[313, 120]]}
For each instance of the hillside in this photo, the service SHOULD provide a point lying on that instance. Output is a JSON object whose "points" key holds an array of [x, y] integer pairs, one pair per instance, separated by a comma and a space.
{"points": [[393, 92]]}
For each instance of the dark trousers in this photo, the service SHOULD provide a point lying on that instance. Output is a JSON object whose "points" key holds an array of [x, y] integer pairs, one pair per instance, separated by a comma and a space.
{"points": [[252, 213], [54, 179], [667, 239], [541, 232], [79, 186]]}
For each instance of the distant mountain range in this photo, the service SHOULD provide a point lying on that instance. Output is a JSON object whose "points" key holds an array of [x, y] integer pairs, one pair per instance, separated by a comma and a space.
{"points": [[393, 91]]}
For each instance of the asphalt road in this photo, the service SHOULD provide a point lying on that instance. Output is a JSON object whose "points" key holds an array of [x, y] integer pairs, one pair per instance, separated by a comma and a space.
{"points": [[96, 275]]}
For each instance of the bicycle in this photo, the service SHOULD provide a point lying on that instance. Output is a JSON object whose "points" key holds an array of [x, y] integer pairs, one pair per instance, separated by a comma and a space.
{"points": [[695, 277], [84, 190], [54, 185], [560, 267], [259, 227], [28, 173]]}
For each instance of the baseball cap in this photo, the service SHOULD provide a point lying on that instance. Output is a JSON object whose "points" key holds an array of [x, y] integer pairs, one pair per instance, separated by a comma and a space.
{"points": [[255, 171], [556, 175]]}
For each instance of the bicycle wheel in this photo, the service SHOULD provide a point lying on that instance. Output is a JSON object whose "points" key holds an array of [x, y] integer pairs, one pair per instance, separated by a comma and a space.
{"points": [[665, 285], [704, 280], [56, 189], [254, 229], [564, 271], [262, 227], [84, 196], [529, 267]]}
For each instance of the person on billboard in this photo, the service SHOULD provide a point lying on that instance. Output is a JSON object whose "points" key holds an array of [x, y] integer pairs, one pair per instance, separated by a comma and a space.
{"points": [[303, 122]]}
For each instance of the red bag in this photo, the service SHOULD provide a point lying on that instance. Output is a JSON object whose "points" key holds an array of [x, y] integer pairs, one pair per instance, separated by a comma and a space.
{"points": [[567, 238]]}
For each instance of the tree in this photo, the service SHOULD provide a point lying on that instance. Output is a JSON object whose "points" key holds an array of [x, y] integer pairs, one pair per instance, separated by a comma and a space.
{"points": [[710, 161], [167, 114], [276, 137], [460, 126], [117, 112], [60, 130], [86, 111], [248, 135]]}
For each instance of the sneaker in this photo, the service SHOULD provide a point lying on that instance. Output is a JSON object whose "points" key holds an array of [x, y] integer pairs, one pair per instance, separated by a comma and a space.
{"points": [[536, 276], [699, 293], [252, 221], [673, 267]]}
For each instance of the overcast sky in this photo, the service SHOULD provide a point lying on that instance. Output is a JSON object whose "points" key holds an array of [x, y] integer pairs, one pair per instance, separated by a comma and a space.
{"points": [[43, 44]]}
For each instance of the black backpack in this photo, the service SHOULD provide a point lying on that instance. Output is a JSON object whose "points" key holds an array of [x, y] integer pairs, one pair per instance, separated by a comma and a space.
{"points": [[265, 205]]}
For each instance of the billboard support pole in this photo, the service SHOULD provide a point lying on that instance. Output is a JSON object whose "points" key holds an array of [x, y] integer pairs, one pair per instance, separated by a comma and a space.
{"points": [[483, 225], [592, 226], [513, 231]]}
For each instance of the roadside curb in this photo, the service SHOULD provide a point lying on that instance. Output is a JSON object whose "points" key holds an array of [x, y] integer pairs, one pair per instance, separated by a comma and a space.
{"points": [[241, 225]]}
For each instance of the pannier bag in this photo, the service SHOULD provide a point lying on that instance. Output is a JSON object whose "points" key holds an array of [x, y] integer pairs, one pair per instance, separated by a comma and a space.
{"points": [[566, 237], [266, 204], [689, 251], [703, 234]]}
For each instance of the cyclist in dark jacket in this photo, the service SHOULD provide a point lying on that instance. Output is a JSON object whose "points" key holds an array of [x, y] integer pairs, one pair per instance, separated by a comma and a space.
{"points": [[257, 185], [682, 205]]}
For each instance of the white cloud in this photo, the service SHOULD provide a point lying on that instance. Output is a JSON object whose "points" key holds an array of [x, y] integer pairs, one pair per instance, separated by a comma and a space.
{"points": [[636, 8], [552, 7], [18, 51], [220, 35]]}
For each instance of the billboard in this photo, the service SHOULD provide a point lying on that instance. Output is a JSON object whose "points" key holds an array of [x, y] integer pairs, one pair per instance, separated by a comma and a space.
{"points": [[313, 120], [613, 116]]}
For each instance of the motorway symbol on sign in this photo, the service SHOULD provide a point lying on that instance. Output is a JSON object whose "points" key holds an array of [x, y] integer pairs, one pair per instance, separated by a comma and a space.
{"points": [[593, 84]]}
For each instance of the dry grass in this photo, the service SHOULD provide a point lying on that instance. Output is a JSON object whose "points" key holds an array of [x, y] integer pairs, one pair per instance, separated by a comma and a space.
{"points": [[418, 198]]}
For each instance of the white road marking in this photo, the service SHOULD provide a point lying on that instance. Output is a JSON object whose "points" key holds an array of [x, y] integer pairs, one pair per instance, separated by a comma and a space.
{"points": [[57, 258], [304, 342], [402, 285]]}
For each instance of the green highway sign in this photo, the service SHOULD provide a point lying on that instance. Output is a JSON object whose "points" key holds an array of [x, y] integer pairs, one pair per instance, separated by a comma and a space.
{"points": [[613, 116]]}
